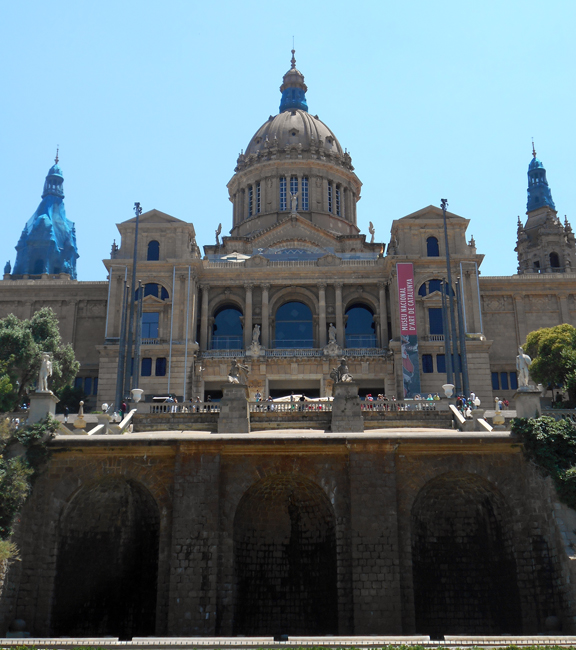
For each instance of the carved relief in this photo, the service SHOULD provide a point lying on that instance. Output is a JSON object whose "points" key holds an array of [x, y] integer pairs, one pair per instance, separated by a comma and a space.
{"points": [[498, 303]]}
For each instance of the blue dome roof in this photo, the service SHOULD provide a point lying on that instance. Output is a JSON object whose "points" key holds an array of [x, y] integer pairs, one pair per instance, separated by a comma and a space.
{"points": [[55, 171], [535, 164]]}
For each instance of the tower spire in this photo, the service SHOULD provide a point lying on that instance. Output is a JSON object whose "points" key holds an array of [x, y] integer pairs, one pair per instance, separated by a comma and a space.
{"points": [[57, 150], [539, 194], [533, 150]]}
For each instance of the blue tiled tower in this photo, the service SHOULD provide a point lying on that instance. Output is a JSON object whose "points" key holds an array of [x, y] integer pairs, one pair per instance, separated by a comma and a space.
{"points": [[539, 194], [48, 242]]}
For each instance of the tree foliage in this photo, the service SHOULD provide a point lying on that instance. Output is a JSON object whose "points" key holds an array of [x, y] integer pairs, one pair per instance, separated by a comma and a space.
{"points": [[21, 345], [551, 444], [553, 352]]}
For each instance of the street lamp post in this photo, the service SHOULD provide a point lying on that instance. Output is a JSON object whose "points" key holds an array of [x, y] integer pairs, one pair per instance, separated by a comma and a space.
{"points": [[132, 299], [444, 203]]}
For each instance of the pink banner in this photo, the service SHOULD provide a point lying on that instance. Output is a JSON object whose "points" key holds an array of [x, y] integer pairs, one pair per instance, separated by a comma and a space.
{"points": [[406, 298]]}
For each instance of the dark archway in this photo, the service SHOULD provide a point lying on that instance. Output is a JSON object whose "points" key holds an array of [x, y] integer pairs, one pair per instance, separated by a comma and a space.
{"points": [[107, 566], [464, 571], [285, 559], [554, 260]]}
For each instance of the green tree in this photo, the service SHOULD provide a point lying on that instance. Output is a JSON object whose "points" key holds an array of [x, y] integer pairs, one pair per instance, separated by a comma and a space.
{"points": [[6, 387], [553, 352], [21, 345]]}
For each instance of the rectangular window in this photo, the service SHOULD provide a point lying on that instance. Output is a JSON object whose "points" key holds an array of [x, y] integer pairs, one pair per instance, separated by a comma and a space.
{"points": [[146, 367], [440, 363], [513, 381], [282, 194], [329, 196], [79, 382], [250, 201], [495, 382], [95, 386], [161, 367], [338, 202], [88, 385], [305, 193], [258, 203], [294, 188], [504, 380], [435, 321], [427, 364], [150, 321]]}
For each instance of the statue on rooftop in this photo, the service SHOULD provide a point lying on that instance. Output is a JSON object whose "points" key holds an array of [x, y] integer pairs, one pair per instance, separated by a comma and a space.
{"points": [[7, 268], [371, 231]]}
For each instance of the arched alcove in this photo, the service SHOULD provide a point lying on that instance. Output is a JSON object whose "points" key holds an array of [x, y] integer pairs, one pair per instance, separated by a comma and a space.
{"points": [[360, 327], [107, 564], [554, 260], [227, 331], [464, 570], [285, 559]]}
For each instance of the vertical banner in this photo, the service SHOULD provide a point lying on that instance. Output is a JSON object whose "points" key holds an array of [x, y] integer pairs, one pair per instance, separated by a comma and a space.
{"points": [[408, 330]]}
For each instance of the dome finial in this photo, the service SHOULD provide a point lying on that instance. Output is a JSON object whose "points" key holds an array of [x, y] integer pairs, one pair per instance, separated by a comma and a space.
{"points": [[57, 150], [293, 59], [533, 150]]}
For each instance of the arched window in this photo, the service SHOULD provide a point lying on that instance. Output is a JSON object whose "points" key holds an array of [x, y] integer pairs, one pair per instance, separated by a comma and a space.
{"points": [[554, 261], [153, 251], [294, 327], [360, 327], [227, 331], [430, 286], [39, 267], [153, 289], [432, 249]]}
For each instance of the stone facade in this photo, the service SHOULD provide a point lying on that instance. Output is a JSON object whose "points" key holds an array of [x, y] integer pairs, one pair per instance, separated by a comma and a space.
{"points": [[375, 533]]}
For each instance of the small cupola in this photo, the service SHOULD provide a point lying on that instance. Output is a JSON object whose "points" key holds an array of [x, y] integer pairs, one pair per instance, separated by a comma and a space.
{"points": [[293, 89]]}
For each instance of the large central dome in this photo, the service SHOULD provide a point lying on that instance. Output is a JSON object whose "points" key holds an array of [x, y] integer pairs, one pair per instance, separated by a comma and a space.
{"points": [[294, 154], [294, 127]]}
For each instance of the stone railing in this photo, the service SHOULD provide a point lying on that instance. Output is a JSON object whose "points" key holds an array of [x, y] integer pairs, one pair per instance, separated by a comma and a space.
{"points": [[294, 352], [290, 407], [222, 354], [560, 414], [364, 352], [188, 407], [398, 405]]}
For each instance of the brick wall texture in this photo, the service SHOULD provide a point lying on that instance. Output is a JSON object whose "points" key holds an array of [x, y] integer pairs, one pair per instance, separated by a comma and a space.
{"points": [[192, 534]]}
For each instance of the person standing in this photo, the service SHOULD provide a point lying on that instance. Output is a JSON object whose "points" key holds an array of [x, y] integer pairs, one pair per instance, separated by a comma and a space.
{"points": [[123, 409]]}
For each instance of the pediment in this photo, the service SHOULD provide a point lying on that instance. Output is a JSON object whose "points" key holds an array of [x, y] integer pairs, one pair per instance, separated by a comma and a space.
{"points": [[152, 300], [430, 213], [155, 216], [293, 228]]}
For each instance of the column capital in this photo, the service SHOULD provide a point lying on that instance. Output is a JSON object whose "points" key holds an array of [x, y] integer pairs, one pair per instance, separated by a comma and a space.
{"points": [[338, 285], [382, 284], [321, 285], [204, 286], [248, 286], [265, 287]]}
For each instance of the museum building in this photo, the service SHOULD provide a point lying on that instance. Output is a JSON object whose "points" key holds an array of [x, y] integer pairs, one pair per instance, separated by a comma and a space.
{"points": [[306, 532]]}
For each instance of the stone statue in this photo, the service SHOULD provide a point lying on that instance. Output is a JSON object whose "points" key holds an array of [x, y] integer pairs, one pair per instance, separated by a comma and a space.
{"points": [[293, 202], [256, 335], [7, 268], [523, 362], [218, 231], [371, 231], [331, 333], [238, 372], [341, 373], [45, 372]]}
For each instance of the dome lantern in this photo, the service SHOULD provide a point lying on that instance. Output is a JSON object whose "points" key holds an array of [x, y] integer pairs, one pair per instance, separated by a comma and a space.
{"points": [[293, 89]]}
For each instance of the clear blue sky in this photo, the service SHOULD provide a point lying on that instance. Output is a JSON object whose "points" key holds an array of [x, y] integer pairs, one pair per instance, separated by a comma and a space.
{"points": [[152, 102]]}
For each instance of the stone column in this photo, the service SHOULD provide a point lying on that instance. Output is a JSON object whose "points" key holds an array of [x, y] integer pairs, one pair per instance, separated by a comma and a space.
{"points": [[322, 314], [248, 316], [564, 309], [265, 317], [383, 315], [204, 318], [339, 315]]}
